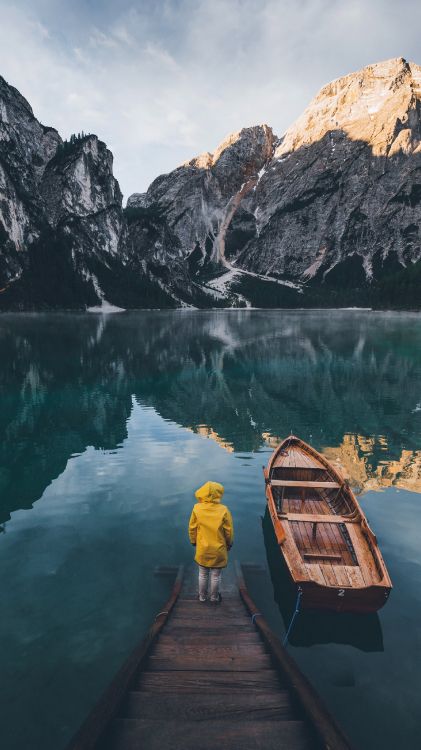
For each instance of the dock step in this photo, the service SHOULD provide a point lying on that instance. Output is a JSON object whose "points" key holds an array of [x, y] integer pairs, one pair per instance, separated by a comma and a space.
{"points": [[196, 707], [213, 682], [132, 734]]}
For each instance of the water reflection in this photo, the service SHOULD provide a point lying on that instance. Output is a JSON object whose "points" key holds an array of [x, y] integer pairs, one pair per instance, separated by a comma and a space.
{"points": [[348, 382], [111, 422], [310, 627], [364, 461]]}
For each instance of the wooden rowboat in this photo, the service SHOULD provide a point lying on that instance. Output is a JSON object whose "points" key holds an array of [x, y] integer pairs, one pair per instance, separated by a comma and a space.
{"points": [[330, 551]]}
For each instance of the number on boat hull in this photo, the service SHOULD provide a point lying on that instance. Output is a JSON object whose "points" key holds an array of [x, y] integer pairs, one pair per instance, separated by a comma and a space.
{"points": [[341, 592]]}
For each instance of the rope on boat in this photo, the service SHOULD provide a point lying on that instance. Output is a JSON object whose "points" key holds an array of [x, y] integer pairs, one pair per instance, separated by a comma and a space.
{"points": [[297, 609], [253, 617], [164, 612]]}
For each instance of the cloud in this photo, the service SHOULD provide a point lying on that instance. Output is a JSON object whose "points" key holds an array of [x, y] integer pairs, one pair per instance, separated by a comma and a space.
{"points": [[162, 81]]}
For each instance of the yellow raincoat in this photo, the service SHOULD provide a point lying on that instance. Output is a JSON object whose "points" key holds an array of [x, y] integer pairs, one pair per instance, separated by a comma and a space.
{"points": [[210, 527]]}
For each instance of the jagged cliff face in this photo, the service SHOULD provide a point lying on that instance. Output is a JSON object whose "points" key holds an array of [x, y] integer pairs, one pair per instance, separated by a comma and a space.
{"points": [[184, 217], [25, 149], [343, 183], [328, 215], [61, 220], [333, 208]]}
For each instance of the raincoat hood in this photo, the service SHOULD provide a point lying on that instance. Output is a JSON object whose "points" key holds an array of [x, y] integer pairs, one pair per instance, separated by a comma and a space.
{"points": [[210, 492]]}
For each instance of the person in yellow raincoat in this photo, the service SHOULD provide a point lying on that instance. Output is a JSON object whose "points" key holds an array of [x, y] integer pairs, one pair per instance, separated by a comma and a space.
{"points": [[211, 531]]}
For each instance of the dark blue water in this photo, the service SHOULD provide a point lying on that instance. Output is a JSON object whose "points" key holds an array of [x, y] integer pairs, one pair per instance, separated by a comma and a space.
{"points": [[108, 424]]}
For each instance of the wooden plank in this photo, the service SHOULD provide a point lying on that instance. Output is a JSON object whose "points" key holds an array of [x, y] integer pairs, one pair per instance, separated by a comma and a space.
{"points": [[292, 555], [323, 539], [321, 545], [217, 639], [364, 556], [355, 576], [209, 613], [339, 544], [329, 574], [342, 577], [304, 483], [205, 649], [224, 682], [196, 707], [192, 606], [305, 534], [298, 537], [310, 518], [313, 545], [325, 555], [297, 458], [186, 627], [213, 663], [315, 573], [132, 734]]}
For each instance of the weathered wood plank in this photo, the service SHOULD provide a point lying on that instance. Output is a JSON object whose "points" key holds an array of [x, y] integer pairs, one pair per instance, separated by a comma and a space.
{"points": [[329, 574], [364, 556], [206, 649], [195, 707], [315, 572], [213, 663], [216, 639], [355, 576], [231, 604], [209, 610], [342, 576], [224, 682], [321, 518], [303, 483], [132, 734], [211, 613], [186, 626]]}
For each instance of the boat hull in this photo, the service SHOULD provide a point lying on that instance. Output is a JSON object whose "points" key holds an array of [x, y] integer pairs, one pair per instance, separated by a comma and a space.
{"points": [[298, 547], [315, 596]]}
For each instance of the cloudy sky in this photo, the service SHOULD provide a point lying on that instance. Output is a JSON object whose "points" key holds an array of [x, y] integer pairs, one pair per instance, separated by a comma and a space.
{"points": [[163, 80]]}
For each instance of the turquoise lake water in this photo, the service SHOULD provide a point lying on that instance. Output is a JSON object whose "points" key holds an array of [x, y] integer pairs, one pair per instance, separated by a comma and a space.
{"points": [[107, 426]]}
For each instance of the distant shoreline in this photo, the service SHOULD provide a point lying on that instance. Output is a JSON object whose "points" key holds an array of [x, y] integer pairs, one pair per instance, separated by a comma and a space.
{"points": [[120, 311]]}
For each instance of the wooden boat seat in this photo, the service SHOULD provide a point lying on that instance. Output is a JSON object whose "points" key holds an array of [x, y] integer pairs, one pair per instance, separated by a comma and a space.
{"points": [[316, 518], [304, 484], [325, 555]]}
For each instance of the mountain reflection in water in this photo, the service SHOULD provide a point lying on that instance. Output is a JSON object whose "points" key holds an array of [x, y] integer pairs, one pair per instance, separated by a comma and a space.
{"points": [[109, 423], [347, 382]]}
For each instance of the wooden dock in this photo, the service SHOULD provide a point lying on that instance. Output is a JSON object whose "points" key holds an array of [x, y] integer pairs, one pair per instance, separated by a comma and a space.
{"points": [[210, 677]]}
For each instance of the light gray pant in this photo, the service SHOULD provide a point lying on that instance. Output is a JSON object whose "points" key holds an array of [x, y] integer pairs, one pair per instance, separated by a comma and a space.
{"points": [[214, 574]]}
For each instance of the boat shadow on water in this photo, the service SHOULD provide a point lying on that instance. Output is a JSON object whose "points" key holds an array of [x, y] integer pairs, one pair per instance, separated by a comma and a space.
{"points": [[311, 627]]}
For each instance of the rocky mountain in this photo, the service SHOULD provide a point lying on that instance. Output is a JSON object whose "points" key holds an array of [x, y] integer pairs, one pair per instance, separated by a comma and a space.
{"points": [[61, 219], [329, 214]]}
